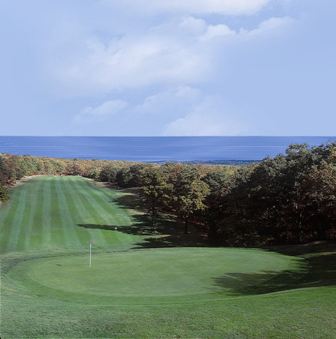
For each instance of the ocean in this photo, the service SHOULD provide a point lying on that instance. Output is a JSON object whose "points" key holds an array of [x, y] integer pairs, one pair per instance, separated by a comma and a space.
{"points": [[156, 149]]}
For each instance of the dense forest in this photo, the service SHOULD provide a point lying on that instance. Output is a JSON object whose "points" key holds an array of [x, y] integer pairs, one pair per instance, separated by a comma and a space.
{"points": [[283, 200]]}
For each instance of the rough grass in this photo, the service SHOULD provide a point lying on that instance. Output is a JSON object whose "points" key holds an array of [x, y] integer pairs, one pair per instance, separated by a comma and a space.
{"points": [[48, 290]]}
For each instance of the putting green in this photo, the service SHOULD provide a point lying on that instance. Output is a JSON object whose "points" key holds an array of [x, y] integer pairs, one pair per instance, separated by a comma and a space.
{"points": [[48, 290], [149, 273]]}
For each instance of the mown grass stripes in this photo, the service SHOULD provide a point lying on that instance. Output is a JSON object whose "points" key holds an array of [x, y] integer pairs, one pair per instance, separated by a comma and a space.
{"points": [[72, 203], [7, 214], [110, 214], [16, 223], [46, 213], [88, 205], [27, 221], [67, 217], [177, 292], [33, 228]]}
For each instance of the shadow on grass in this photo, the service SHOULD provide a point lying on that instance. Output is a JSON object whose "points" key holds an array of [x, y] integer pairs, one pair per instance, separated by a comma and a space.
{"points": [[314, 270], [128, 199], [166, 233], [316, 263]]}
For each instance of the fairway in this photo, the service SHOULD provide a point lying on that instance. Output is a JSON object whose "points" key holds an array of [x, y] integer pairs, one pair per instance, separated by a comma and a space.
{"points": [[49, 290], [45, 213]]}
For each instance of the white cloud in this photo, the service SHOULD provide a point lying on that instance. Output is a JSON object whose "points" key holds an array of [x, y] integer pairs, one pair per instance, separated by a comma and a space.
{"points": [[166, 105], [169, 97], [214, 31], [131, 62], [193, 25], [164, 55], [209, 118], [270, 25], [224, 7], [168, 60], [101, 112], [157, 109], [265, 27], [178, 111]]}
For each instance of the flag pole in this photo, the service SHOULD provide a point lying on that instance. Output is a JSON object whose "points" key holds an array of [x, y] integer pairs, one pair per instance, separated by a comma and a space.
{"points": [[90, 255]]}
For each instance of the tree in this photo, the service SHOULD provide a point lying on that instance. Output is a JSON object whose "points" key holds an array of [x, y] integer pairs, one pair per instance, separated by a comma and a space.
{"points": [[108, 174], [4, 196], [219, 184], [7, 169], [74, 167], [153, 191], [124, 178], [187, 193], [318, 195]]}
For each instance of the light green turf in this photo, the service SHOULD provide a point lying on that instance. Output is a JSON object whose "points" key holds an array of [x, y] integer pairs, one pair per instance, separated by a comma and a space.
{"points": [[45, 212], [48, 290], [149, 273]]}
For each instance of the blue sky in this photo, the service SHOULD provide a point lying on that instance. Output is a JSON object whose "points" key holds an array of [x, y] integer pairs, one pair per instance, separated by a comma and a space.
{"points": [[168, 67]]}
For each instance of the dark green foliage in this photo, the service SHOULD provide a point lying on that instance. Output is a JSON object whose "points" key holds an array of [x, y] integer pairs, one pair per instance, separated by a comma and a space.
{"points": [[131, 176], [13, 168], [186, 192], [219, 184], [3, 193], [154, 191], [287, 199], [124, 178], [108, 174]]}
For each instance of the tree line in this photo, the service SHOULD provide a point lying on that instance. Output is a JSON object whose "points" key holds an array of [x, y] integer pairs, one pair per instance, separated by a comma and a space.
{"points": [[288, 199], [13, 168]]}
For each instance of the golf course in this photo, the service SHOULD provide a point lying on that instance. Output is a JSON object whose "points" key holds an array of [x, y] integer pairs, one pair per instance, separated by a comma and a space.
{"points": [[145, 282]]}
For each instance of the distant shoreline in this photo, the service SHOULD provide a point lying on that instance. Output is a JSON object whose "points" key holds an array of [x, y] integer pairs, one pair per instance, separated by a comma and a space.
{"points": [[197, 150]]}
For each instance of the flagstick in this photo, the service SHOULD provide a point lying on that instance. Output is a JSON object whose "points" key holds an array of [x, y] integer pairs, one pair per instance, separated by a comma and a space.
{"points": [[90, 255]]}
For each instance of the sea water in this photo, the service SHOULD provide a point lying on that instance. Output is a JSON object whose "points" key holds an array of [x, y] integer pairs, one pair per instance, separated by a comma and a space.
{"points": [[156, 149]]}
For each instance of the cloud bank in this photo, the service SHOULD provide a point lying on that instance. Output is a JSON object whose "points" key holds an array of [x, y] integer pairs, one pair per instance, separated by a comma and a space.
{"points": [[104, 67], [172, 64], [223, 7]]}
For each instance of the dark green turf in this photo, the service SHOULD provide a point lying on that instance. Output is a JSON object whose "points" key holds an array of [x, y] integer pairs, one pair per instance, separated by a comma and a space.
{"points": [[48, 290]]}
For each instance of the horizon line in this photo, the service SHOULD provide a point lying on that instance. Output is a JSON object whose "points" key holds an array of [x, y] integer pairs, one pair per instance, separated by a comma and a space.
{"points": [[167, 136]]}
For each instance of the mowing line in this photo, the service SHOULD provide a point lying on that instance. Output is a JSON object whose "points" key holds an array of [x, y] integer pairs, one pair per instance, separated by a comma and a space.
{"points": [[57, 235], [6, 213], [31, 200], [86, 207], [16, 223], [68, 216], [121, 215], [72, 199], [81, 210], [34, 231], [125, 216], [109, 211], [46, 213], [64, 217]]}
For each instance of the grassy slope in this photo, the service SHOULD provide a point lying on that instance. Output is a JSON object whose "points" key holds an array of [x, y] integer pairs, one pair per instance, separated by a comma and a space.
{"points": [[39, 301], [166, 275], [44, 214]]}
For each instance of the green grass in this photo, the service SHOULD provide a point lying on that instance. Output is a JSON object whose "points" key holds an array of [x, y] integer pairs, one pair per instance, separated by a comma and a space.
{"points": [[145, 274], [48, 289], [45, 212]]}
